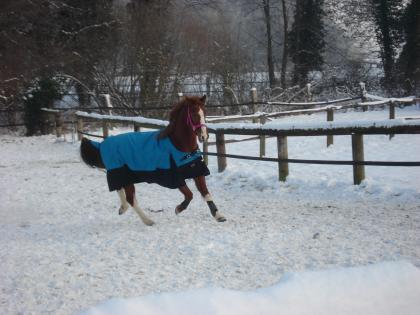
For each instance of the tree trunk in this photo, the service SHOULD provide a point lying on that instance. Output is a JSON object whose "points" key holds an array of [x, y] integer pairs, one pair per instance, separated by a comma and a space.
{"points": [[270, 61], [285, 45], [388, 53], [81, 95]]}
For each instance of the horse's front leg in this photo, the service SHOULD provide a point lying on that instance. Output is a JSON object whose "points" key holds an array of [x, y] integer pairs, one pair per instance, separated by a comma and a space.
{"points": [[188, 196], [124, 204], [130, 195], [200, 182]]}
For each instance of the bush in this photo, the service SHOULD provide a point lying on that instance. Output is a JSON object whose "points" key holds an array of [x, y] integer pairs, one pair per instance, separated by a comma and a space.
{"points": [[42, 94]]}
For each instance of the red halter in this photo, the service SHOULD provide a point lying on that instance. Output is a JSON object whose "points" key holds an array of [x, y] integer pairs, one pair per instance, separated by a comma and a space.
{"points": [[191, 123]]}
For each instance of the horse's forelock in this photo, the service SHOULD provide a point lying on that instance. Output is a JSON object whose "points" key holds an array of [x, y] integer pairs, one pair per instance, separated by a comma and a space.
{"points": [[194, 102]]}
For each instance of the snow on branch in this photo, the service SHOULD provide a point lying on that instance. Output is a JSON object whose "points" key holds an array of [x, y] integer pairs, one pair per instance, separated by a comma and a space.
{"points": [[90, 27]]}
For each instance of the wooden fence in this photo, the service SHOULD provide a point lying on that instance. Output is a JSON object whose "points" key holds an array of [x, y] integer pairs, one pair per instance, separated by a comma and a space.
{"points": [[328, 107], [260, 131], [357, 132], [51, 116]]}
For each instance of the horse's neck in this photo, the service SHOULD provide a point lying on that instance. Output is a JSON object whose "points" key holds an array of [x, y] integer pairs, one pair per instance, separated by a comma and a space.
{"points": [[183, 138]]}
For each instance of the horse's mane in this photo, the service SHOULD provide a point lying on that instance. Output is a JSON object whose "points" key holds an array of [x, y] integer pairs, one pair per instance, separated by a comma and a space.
{"points": [[177, 110], [173, 116]]}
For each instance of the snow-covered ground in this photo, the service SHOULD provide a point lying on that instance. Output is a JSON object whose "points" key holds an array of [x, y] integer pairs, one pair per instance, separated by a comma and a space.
{"points": [[64, 248], [344, 291]]}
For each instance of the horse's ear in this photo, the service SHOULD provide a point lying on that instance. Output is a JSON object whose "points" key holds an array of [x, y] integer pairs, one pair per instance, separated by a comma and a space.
{"points": [[203, 98]]}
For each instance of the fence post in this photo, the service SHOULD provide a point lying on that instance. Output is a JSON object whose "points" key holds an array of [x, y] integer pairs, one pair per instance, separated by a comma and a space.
{"points": [[59, 122], [205, 142], [262, 138], [308, 92], [363, 94], [107, 104], [221, 149], [330, 117], [79, 128], [282, 154], [391, 115], [208, 86], [358, 155], [254, 100], [105, 129], [205, 150]]}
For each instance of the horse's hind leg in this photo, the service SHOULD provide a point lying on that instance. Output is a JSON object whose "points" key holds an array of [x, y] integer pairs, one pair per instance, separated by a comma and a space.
{"points": [[130, 194], [200, 182], [124, 204], [188, 196]]}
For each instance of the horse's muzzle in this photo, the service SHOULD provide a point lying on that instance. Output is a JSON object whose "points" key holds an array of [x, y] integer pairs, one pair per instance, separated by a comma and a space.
{"points": [[202, 137], [202, 134]]}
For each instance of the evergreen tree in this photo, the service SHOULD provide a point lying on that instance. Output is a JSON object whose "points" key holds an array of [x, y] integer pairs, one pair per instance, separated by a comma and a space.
{"points": [[307, 39], [27, 47], [387, 15], [409, 61], [42, 94]]}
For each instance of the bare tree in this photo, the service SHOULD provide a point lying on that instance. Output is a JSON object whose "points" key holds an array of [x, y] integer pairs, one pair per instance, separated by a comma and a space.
{"points": [[270, 62], [285, 44]]}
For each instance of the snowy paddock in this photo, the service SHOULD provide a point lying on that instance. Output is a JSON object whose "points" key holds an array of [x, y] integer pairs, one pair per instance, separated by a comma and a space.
{"points": [[64, 248]]}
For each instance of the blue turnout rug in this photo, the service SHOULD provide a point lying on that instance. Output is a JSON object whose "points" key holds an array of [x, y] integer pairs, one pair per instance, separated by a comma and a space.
{"points": [[141, 157]]}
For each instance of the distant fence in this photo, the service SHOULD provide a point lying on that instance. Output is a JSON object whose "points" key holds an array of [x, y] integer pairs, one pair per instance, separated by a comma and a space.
{"points": [[356, 131], [254, 106]]}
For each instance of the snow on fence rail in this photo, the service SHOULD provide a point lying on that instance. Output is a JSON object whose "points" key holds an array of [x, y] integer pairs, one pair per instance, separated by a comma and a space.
{"points": [[315, 103], [281, 131], [254, 103], [329, 109]]}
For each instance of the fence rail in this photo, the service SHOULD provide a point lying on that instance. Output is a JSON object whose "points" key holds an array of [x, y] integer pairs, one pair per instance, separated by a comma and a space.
{"points": [[356, 130], [254, 105], [262, 128]]}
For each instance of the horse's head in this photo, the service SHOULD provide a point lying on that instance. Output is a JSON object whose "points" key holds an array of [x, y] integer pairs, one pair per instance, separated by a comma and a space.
{"points": [[195, 116], [186, 123]]}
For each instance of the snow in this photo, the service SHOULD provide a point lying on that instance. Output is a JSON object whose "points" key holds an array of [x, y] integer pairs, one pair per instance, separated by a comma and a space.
{"points": [[408, 99], [317, 125], [311, 103], [65, 249], [385, 288], [140, 120], [277, 125]]}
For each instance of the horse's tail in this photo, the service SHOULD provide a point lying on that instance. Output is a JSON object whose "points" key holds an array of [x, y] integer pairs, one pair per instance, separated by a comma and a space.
{"points": [[90, 154]]}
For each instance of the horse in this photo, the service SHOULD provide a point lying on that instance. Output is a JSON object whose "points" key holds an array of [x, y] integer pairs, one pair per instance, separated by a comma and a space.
{"points": [[166, 157]]}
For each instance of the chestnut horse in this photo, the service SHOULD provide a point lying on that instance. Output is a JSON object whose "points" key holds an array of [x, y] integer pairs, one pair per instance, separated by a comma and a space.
{"points": [[173, 157]]}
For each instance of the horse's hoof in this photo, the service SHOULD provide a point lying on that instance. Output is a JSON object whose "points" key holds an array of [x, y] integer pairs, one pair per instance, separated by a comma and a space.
{"points": [[148, 222], [219, 217], [178, 210], [122, 210]]}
